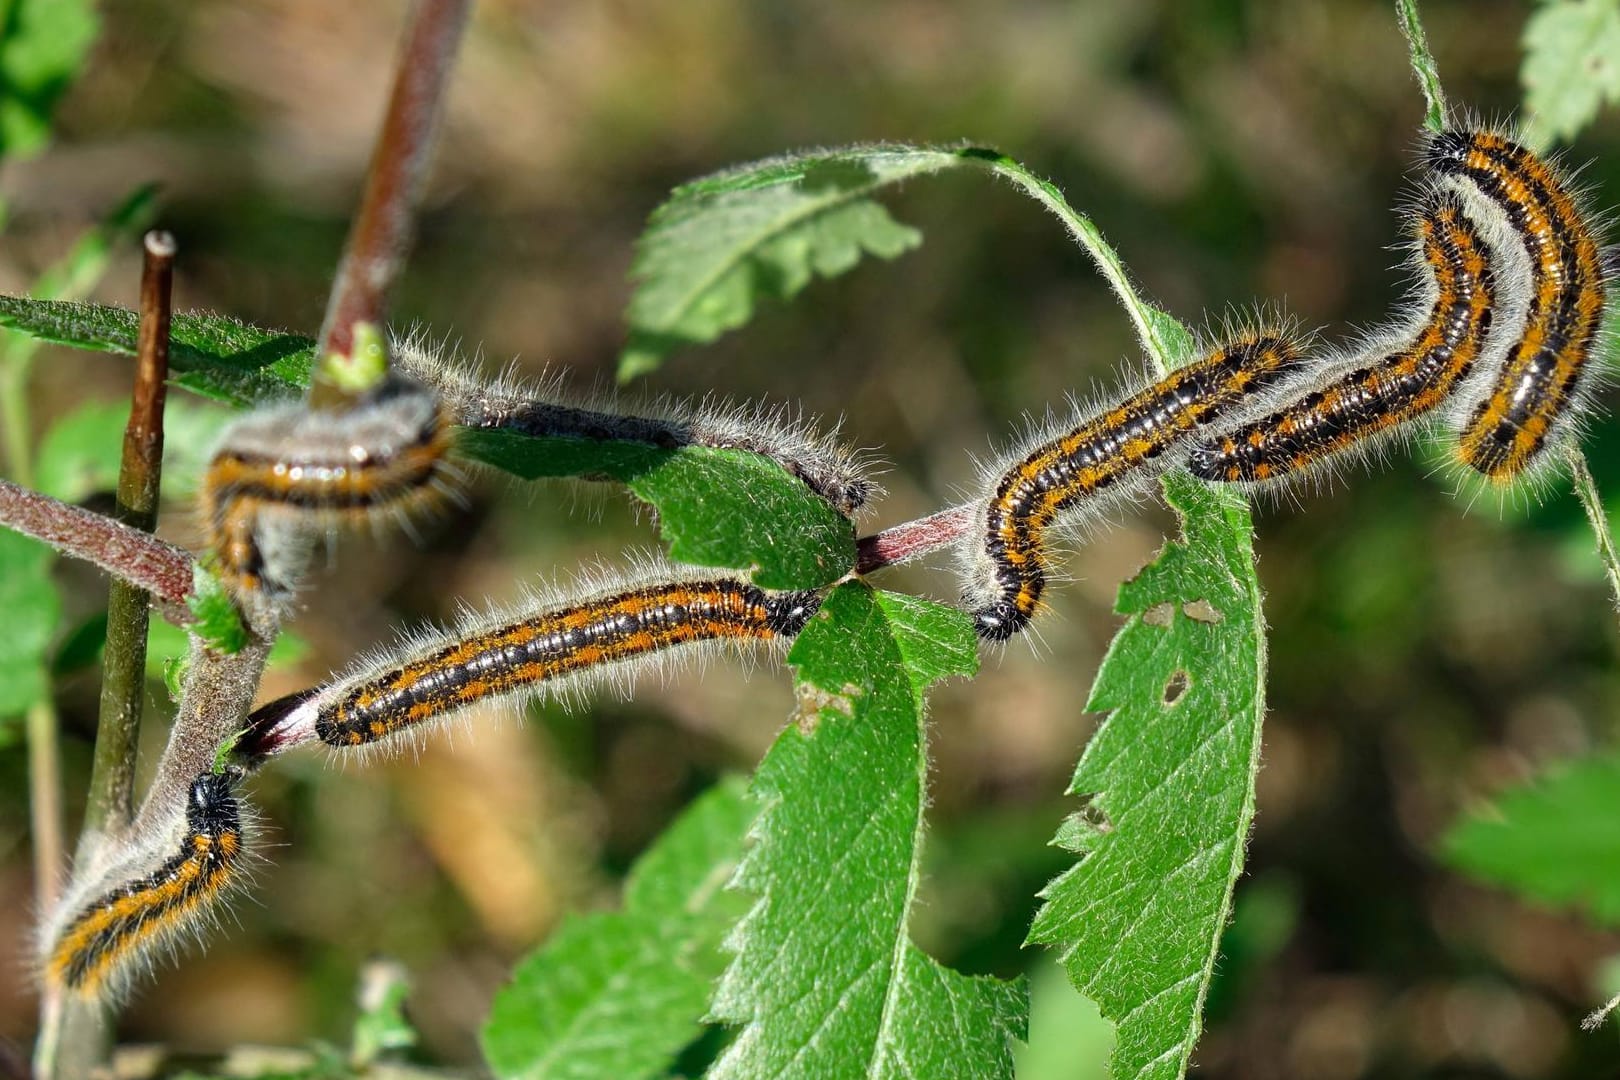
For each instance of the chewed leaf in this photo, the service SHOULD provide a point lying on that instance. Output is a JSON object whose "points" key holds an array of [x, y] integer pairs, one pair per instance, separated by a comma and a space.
{"points": [[1555, 840], [825, 980], [1138, 920], [720, 243], [715, 507], [212, 355], [618, 995]]}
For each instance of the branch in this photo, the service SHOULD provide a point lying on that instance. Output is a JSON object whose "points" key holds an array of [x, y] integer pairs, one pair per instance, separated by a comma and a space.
{"points": [[381, 235], [902, 543], [129, 554]]}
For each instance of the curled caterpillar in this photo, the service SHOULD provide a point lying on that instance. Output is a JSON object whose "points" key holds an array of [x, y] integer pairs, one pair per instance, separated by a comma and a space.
{"points": [[1109, 453], [819, 461], [1543, 383], [541, 648], [101, 941], [1347, 403], [282, 473]]}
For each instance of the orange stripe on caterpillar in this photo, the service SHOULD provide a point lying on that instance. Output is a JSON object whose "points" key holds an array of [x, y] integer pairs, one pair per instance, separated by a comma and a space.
{"points": [[282, 473], [1543, 381], [496, 656], [1104, 454], [95, 949], [1361, 398], [545, 409]]}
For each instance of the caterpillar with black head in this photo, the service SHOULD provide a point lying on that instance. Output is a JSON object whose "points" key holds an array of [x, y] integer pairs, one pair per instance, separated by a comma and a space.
{"points": [[102, 939], [543, 646], [1109, 454]]}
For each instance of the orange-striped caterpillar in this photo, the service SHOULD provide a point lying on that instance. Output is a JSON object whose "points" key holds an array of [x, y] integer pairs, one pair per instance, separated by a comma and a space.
{"points": [[1542, 385], [547, 645], [103, 938], [820, 461], [1111, 453], [1349, 402], [281, 474]]}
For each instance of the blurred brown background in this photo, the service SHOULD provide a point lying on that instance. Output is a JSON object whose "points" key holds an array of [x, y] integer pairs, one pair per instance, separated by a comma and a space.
{"points": [[1422, 655]]}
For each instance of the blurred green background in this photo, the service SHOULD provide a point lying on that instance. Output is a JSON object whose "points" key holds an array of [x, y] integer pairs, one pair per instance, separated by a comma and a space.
{"points": [[1423, 653]]}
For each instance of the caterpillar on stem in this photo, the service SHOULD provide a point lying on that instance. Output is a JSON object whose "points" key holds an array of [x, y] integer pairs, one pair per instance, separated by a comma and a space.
{"points": [[282, 474], [1543, 385], [544, 408], [106, 931], [1112, 453], [543, 646], [1347, 403]]}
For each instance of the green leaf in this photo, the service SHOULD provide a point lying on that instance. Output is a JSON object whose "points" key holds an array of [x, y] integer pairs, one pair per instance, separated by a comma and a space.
{"points": [[715, 507], [1571, 67], [826, 980], [43, 44], [381, 1025], [618, 995], [79, 455], [719, 243], [215, 356], [1555, 840], [1169, 787], [32, 609]]}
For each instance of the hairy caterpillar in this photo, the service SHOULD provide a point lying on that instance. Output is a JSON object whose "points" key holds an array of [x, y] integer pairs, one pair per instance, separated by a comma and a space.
{"points": [[95, 948], [819, 461], [280, 473], [1397, 378], [546, 644], [1110, 453], [1542, 384]]}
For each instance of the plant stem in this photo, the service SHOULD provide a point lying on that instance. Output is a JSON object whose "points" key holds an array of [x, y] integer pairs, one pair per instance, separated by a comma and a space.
{"points": [[1592, 502], [1423, 65], [112, 779], [161, 568], [381, 234], [902, 543]]}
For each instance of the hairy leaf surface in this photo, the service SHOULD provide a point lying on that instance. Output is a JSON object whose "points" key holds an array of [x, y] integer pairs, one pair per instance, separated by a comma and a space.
{"points": [[1571, 66], [1168, 788], [826, 981]]}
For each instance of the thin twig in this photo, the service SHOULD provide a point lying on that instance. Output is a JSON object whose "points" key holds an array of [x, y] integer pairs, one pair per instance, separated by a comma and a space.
{"points": [[1592, 502], [112, 779], [913, 539], [129, 554], [382, 229]]}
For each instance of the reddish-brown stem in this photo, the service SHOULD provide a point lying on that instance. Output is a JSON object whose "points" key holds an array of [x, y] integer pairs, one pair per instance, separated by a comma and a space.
{"points": [[137, 557], [381, 234], [913, 539]]}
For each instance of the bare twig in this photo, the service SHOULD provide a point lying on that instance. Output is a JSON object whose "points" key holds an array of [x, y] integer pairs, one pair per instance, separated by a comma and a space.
{"points": [[381, 234], [112, 779], [912, 540], [134, 556]]}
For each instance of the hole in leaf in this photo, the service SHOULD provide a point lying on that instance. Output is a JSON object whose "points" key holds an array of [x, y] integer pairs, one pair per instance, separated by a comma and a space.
{"points": [[1203, 611], [1159, 615], [1175, 687]]}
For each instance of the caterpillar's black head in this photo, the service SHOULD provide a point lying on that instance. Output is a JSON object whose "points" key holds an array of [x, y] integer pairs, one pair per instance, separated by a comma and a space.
{"points": [[788, 613], [999, 621]]}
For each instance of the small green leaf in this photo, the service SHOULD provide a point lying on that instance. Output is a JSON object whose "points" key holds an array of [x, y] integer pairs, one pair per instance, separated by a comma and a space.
{"points": [[715, 507], [43, 44], [215, 356], [1169, 786], [618, 995], [826, 981], [217, 621], [80, 454], [1571, 66], [1555, 840], [765, 229], [381, 1025], [32, 609]]}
